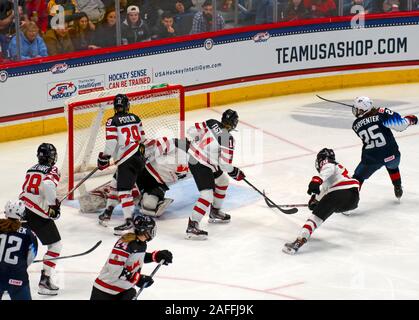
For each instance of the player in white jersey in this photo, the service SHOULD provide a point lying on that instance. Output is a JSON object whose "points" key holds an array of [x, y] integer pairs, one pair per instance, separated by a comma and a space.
{"points": [[39, 193], [122, 270], [339, 193], [124, 138], [210, 155], [167, 163]]}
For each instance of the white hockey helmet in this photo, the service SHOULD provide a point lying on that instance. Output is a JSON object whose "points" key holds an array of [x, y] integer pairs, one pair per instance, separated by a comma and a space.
{"points": [[14, 210], [361, 106]]}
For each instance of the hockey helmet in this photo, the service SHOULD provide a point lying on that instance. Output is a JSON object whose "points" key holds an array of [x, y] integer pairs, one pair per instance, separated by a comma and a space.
{"points": [[230, 119], [361, 106], [121, 103], [324, 154], [14, 210], [145, 225], [47, 154]]}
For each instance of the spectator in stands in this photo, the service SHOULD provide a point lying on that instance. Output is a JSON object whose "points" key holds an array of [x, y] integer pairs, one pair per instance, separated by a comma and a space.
{"points": [[95, 9], [134, 29], [227, 5], [349, 4], [58, 40], [56, 6], [176, 6], [264, 12], [203, 21], [391, 6], [296, 11], [123, 6], [6, 20], [31, 44], [150, 12], [38, 13], [105, 35], [166, 27], [321, 8], [82, 33]]}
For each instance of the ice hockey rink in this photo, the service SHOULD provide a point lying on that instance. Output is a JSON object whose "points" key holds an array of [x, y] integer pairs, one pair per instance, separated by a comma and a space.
{"points": [[372, 254]]}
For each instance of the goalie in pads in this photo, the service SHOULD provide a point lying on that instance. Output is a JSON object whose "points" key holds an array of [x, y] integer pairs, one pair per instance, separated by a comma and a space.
{"points": [[166, 164]]}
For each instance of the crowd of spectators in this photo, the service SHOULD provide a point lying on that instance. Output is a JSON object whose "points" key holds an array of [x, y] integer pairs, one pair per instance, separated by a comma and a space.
{"points": [[49, 27]]}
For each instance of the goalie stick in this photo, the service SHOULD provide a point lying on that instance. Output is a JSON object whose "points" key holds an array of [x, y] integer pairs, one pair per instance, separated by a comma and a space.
{"points": [[73, 255], [337, 102], [151, 275], [286, 211]]}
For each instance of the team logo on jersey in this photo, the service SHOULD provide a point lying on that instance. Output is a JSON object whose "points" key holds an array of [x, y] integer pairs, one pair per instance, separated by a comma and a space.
{"points": [[208, 44], [261, 37], [59, 68], [62, 90], [3, 75]]}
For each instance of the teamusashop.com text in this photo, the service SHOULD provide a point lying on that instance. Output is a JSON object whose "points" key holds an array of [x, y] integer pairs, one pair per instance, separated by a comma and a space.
{"points": [[341, 49]]}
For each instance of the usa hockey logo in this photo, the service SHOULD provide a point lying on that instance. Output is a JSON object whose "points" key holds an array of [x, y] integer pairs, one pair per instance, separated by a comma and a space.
{"points": [[3, 75], [208, 44], [59, 68], [261, 37], [62, 90]]}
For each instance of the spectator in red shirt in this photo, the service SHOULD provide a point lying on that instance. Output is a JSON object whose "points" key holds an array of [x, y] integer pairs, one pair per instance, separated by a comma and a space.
{"points": [[321, 8], [38, 13], [296, 11]]}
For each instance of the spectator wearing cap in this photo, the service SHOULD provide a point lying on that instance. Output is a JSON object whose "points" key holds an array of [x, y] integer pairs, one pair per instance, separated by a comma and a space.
{"points": [[31, 44], [204, 21], [166, 28], [134, 29]]}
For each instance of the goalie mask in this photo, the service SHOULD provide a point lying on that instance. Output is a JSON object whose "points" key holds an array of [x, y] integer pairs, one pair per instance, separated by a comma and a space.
{"points": [[324, 154], [361, 106], [145, 225], [121, 103], [14, 210], [47, 154], [230, 119]]}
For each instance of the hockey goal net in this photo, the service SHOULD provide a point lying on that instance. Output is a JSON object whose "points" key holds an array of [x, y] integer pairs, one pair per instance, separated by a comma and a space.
{"points": [[160, 107]]}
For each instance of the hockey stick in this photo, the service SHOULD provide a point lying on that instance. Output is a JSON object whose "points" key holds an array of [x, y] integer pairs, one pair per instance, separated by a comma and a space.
{"points": [[80, 183], [337, 102], [73, 255], [286, 211], [270, 205], [151, 275]]}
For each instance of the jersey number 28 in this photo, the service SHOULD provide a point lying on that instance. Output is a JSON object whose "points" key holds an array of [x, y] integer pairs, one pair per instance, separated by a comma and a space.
{"points": [[371, 138]]}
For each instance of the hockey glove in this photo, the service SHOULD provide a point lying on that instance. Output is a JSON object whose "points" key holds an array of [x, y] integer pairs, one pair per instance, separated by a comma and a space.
{"points": [[54, 212], [165, 255], [103, 161], [314, 186], [237, 174], [145, 281], [312, 203], [412, 119]]}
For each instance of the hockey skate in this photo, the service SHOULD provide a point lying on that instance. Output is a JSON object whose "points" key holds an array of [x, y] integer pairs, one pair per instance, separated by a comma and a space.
{"points": [[193, 231], [46, 287], [218, 216], [398, 191], [105, 217], [128, 226], [292, 247], [161, 207]]}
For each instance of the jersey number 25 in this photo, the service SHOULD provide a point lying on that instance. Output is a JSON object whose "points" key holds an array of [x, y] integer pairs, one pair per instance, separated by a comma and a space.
{"points": [[371, 138]]}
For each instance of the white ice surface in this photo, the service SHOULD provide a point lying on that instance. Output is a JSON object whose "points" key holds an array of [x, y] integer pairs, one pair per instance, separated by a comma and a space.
{"points": [[372, 254]]}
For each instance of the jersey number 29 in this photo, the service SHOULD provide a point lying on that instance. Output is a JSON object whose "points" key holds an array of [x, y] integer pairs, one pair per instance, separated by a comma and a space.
{"points": [[371, 138]]}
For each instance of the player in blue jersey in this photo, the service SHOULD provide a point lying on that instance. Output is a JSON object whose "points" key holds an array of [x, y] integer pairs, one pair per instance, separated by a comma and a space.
{"points": [[373, 125], [18, 248]]}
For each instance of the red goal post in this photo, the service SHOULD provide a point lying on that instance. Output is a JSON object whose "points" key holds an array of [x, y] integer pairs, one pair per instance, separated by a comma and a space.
{"points": [[160, 107]]}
